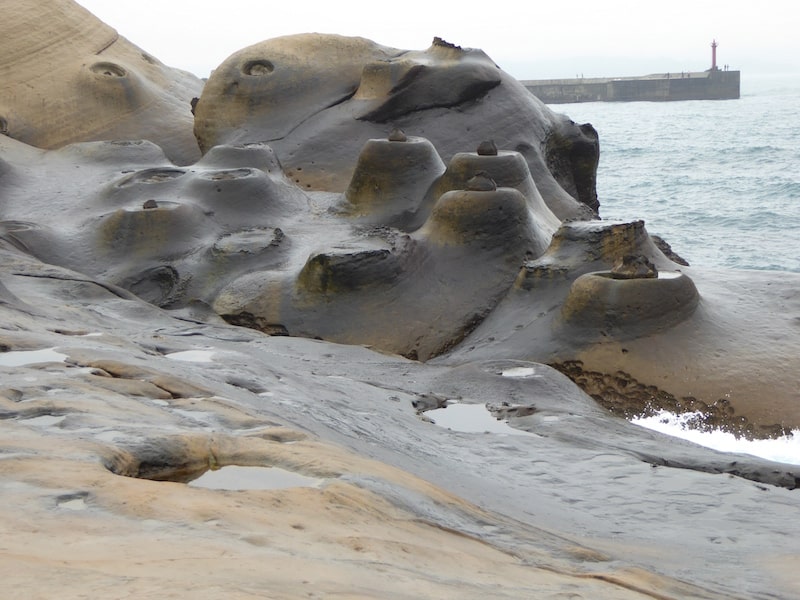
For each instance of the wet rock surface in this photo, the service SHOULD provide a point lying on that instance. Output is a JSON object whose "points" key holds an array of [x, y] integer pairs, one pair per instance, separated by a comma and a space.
{"points": [[350, 416], [300, 303]]}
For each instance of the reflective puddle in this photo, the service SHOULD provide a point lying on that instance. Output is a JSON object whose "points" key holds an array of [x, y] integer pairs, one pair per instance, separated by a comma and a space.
{"points": [[784, 449], [235, 477], [519, 372], [20, 358], [44, 420], [192, 355], [73, 504], [471, 418]]}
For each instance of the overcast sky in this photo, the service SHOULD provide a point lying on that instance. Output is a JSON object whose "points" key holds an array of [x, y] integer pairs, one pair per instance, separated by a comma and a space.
{"points": [[534, 40]]}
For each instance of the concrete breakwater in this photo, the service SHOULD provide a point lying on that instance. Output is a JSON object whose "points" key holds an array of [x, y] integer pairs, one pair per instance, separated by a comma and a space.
{"points": [[713, 84]]}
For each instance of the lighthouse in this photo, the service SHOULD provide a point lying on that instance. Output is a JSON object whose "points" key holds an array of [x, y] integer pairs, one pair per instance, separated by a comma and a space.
{"points": [[714, 55]]}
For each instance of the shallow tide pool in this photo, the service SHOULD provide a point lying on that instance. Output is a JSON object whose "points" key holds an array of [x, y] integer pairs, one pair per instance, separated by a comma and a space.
{"points": [[471, 418], [20, 358], [236, 477], [192, 355]]}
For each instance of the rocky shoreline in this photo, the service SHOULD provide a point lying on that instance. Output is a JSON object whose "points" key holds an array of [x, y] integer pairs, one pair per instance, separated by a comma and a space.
{"points": [[287, 272]]}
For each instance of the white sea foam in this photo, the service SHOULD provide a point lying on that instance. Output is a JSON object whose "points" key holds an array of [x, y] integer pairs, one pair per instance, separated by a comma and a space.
{"points": [[785, 449]]}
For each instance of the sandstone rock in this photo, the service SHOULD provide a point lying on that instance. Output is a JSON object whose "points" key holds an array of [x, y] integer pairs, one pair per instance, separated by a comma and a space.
{"points": [[465, 268], [69, 77], [390, 182], [324, 96]]}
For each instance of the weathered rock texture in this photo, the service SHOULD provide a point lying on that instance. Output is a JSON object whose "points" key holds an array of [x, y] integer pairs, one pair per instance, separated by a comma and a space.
{"points": [[318, 99], [693, 338], [67, 77], [399, 203]]}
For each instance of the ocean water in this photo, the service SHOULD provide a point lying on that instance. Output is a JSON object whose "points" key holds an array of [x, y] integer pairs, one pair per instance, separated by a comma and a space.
{"points": [[718, 179]]}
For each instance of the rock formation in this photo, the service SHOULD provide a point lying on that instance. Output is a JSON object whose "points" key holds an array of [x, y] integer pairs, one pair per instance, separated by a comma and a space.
{"points": [[318, 99], [396, 231], [68, 77]]}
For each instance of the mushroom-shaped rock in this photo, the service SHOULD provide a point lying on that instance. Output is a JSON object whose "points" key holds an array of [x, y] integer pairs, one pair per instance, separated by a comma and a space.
{"points": [[317, 99], [390, 182], [584, 246], [256, 155], [149, 233], [243, 197], [493, 219], [629, 307], [508, 170]]}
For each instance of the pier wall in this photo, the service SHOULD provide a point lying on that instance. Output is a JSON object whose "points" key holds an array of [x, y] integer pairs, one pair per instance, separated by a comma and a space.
{"points": [[705, 85]]}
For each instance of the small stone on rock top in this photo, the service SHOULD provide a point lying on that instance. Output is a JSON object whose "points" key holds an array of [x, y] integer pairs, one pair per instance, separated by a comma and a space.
{"points": [[487, 148], [150, 204], [634, 267], [397, 135], [481, 182]]}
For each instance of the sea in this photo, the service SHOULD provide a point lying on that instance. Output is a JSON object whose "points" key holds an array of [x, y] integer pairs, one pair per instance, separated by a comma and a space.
{"points": [[719, 180]]}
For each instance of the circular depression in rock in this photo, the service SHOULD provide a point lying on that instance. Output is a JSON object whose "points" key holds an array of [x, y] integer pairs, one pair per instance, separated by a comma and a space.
{"points": [[151, 176], [229, 174], [258, 68], [108, 69]]}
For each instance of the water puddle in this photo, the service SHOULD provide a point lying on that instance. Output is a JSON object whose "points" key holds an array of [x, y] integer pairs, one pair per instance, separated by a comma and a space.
{"points": [[471, 418], [110, 435], [785, 449], [199, 416], [235, 477], [44, 420], [21, 358], [519, 372], [192, 355], [73, 504]]}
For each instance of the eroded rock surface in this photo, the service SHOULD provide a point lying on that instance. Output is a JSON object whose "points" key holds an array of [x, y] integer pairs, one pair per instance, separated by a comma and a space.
{"points": [[68, 77], [101, 432], [697, 336], [320, 98], [399, 203]]}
